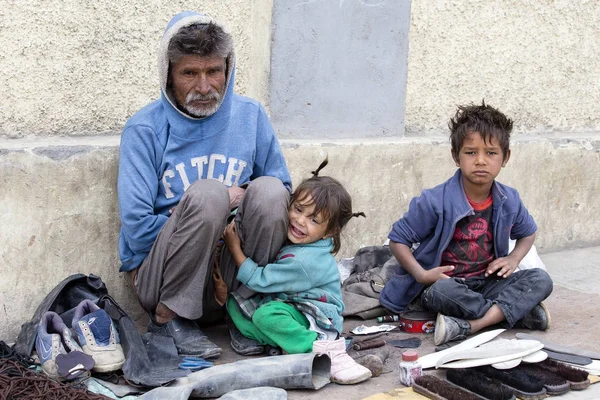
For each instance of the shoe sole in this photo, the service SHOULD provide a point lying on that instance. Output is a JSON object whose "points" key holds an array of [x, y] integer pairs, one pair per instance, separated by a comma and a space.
{"points": [[248, 351], [439, 330], [354, 381], [548, 318], [108, 367], [215, 353]]}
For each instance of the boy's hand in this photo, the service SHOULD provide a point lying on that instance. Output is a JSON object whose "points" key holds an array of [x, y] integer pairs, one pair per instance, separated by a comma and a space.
{"points": [[429, 277], [231, 238], [504, 266]]}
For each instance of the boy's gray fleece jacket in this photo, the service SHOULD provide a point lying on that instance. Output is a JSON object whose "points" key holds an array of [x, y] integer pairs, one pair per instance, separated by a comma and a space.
{"points": [[431, 220]]}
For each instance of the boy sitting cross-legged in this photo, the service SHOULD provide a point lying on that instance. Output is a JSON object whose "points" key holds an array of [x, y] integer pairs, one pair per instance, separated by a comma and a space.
{"points": [[462, 267]]}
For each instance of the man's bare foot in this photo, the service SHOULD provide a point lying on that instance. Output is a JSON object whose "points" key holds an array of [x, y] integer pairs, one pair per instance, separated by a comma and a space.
{"points": [[132, 275], [163, 314]]}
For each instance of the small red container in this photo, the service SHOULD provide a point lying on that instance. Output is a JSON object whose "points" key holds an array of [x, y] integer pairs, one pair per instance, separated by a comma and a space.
{"points": [[417, 321]]}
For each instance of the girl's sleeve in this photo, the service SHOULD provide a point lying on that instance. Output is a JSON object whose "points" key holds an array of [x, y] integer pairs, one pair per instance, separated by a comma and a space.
{"points": [[286, 275]]}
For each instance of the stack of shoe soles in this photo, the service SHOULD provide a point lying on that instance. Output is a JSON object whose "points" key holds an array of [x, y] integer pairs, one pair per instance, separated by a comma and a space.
{"points": [[92, 343], [527, 381]]}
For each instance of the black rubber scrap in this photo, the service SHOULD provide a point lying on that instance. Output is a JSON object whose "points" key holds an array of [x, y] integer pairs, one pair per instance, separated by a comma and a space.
{"points": [[410, 343]]}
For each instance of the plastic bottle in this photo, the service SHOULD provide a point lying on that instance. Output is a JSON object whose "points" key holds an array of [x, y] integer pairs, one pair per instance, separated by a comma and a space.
{"points": [[410, 367], [388, 318]]}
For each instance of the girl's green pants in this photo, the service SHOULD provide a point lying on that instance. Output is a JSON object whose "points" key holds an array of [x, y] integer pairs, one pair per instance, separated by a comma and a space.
{"points": [[277, 324]]}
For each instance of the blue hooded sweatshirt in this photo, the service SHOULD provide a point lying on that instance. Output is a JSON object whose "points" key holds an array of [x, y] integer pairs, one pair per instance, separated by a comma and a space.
{"points": [[164, 150]]}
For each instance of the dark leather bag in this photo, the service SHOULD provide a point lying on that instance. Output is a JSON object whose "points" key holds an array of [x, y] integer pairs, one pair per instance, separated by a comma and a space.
{"points": [[62, 300], [149, 360]]}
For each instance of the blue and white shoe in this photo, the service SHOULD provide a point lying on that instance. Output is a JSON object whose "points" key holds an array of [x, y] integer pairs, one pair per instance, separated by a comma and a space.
{"points": [[98, 337], [53, 338]]}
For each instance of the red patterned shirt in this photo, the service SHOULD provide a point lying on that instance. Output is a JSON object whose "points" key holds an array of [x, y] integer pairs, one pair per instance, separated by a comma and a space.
{"points": [[472, 246]]}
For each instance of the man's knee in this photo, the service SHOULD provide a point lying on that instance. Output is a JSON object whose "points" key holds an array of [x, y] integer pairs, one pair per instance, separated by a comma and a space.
{"points": [[267, 197], [207, 194], [206, 190], [267, 188]]}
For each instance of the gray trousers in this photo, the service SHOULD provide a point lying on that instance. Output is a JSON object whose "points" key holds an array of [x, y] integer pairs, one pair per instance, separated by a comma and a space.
{"points": [[178, 270]]}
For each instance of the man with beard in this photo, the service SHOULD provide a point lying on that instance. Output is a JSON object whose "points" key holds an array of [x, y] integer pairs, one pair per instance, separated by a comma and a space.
{"points": [[190, 161]]}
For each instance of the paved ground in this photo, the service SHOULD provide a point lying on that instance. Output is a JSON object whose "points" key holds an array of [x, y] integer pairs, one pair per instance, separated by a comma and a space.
{"points": [[575, 311]]}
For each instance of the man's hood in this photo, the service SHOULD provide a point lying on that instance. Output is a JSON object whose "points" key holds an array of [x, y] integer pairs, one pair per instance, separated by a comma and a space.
{"points": [[179, 21]]}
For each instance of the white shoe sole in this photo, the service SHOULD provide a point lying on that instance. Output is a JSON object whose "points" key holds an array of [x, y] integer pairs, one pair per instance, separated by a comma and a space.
{"points": [[439, 330]]}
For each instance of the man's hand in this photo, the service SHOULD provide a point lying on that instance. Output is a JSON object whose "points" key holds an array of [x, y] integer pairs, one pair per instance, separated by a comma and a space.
{"points": [[504, 266], [236, 194], [429, 277]]}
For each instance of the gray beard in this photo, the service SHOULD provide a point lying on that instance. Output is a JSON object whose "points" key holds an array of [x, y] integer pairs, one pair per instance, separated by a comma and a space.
{"points": [[201, 112]]}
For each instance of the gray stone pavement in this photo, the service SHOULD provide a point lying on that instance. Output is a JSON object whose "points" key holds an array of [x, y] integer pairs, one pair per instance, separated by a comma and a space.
{"points": [[574, 307]]}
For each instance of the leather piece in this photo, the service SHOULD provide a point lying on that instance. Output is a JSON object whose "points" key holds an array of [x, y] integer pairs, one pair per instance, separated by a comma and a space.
{"points": [[292, 371], [570, 358], [410, 343], [560, 348], [151, 363]]}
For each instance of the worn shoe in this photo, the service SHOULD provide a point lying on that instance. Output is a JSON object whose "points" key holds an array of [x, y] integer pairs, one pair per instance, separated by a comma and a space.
{"points": [[344, 370], [53, 338], [98, 336], [241, 344], [188, 338], [538, 319], [448, 329]]}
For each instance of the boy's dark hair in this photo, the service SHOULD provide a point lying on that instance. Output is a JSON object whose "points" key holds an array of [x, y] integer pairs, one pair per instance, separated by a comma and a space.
{"points": [[200, 39], [486, 120], [331, 199]]}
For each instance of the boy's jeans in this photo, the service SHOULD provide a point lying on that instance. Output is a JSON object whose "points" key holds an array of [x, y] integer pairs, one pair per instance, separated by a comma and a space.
{"points": [[471, 298]]}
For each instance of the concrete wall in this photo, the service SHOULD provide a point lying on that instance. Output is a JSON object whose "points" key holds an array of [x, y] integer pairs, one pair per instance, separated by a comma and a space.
{"points": [[81, 68], [536, 60], [333, 74], [74, 72]]}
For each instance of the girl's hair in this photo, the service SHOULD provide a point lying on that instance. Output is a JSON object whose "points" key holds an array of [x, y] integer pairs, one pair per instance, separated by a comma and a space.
{"points": [[331, 199]]}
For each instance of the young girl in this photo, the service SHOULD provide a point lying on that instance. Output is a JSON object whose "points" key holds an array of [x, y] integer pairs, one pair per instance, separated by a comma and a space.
{"points": [[298, 305]]}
